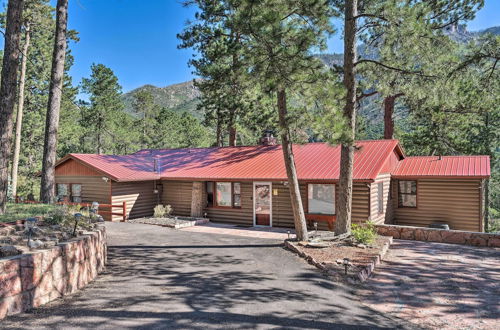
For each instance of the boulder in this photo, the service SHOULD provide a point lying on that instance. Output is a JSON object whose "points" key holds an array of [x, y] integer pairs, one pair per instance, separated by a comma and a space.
{"points": [[8, 251], [35, 244]]}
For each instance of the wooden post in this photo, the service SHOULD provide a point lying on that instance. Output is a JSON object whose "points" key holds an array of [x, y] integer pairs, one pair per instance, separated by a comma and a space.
{"points": [[197, 199], [124, 211]]}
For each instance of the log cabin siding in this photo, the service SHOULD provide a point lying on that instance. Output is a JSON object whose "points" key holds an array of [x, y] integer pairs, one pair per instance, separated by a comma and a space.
{"points": [[455, 202], [240, 216], [139, 196], [375, 215], [94, 189], [72, 167], [177, 194]]}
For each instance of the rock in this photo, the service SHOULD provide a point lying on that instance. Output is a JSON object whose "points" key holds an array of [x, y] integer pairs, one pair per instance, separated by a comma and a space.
{"points": [[8, 251], [36, 244], [339, 261], [319, 245], [303, 243], [361, 246]]}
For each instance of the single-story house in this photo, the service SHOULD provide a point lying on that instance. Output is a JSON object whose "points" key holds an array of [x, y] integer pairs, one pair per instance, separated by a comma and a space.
{"points": [[247, 185]]}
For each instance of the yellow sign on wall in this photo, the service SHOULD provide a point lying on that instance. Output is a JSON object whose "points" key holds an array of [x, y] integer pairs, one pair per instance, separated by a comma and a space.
{"points": [[275, 192]]}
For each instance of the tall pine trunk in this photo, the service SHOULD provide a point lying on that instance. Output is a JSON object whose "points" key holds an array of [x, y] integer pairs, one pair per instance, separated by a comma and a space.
{"points": [[8, 88], [343, 222], [218, 131], [232, 129], [291, 172], [388, 120], [389, 104], [20, 110], [47, 193]]}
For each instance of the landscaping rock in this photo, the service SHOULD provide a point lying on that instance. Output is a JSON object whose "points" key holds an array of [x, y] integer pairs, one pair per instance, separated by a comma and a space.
{"points": [[8, 251], [318, 245], [36, 244]]}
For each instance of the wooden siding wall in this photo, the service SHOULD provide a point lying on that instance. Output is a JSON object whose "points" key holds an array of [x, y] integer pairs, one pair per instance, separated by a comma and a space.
{"points": [[375, 216], [140, 198], [456, 202], [178, 195], [94, 188], [73, 168], [240, 216]]}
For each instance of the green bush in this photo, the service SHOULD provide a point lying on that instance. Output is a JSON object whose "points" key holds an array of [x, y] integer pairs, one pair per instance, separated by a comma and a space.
{"points": [[364, 233]]}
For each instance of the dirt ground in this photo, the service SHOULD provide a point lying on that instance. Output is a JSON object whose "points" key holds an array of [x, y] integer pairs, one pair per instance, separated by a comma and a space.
{"points": [[437, 285]]}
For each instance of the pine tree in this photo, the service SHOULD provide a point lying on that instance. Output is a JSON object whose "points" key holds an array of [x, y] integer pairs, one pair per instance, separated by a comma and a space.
{"points": [[280, 36], [103, 118], [8, 88], [47, 191]]}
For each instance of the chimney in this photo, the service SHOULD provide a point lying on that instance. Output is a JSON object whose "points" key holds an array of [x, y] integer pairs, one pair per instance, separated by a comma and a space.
{"points": [[440, 157], [156, 165], [268, 139]]}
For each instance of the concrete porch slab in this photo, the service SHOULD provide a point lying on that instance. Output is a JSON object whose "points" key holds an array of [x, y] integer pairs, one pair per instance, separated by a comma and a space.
{"points": [[235, 230]]}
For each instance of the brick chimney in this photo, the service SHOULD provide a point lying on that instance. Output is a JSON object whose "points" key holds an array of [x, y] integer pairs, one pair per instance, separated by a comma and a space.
{"points": [[268, 139]]}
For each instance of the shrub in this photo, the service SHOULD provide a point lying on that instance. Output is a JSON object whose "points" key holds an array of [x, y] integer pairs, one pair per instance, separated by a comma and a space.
{"points": [[364, 233], [159, 211]]}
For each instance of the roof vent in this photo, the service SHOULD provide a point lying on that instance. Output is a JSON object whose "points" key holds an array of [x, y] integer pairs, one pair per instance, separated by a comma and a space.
{"points": [[440, 157]]}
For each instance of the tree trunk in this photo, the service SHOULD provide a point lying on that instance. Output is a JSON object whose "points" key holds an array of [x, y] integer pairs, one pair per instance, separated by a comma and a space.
{"points": [[47, 193], [293, 182], [388, 120], [343, 222], [8, 88], [197, 199], [389, 104], [232, 136], [486, 205], [20, 109], [219, 130]]}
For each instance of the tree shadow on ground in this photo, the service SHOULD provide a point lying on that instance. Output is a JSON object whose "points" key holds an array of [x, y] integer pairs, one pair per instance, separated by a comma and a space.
{"points": [[241, 284], [435, 280]]}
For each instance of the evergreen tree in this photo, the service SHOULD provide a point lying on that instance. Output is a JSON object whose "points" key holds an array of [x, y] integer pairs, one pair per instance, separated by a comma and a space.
{"points": [[8, 91], [146, 111], [279, 38], [47, 190], [103, 116]]}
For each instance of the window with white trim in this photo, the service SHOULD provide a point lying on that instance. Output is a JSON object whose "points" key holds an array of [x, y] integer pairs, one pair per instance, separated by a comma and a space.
{"points": [[407, 193], [321, 198]]}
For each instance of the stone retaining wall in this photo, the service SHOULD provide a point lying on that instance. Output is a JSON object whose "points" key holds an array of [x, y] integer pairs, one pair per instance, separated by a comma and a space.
{"points": [[440, 235], [30, 280]]}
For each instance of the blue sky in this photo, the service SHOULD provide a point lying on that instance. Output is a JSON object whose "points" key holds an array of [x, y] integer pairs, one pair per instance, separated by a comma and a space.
{"points": [[137, 38]]}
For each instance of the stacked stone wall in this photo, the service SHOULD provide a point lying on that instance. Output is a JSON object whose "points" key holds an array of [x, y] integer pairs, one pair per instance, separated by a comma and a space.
{"points": [[31, 280], [440, 235]]}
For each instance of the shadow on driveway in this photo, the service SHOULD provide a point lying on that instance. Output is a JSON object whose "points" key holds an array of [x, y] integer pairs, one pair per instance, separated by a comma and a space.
{"points": [[162, 278], [439, 285]]}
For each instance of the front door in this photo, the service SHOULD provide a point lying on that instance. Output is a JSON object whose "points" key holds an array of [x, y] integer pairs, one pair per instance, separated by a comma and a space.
{"points": [[262, 206]]}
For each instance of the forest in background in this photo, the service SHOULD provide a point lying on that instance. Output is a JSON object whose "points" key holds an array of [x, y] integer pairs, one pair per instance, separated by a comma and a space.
{"points": [[457, 114]]}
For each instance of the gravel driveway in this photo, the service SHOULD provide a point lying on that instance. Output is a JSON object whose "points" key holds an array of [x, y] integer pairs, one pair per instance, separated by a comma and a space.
{"points": [[162, 278]]}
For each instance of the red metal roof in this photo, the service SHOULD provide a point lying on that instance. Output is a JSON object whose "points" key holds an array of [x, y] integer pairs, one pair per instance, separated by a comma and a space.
{"points": [[314, 161], [446, 166]]}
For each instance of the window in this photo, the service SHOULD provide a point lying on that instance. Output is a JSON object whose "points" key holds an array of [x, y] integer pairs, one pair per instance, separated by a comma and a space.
{"points": [[62, 192], [236, 194], [407, 194], [380, 196], [210, 193], [69, 192], [321, 198], [224, 194], [76, 193]]}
